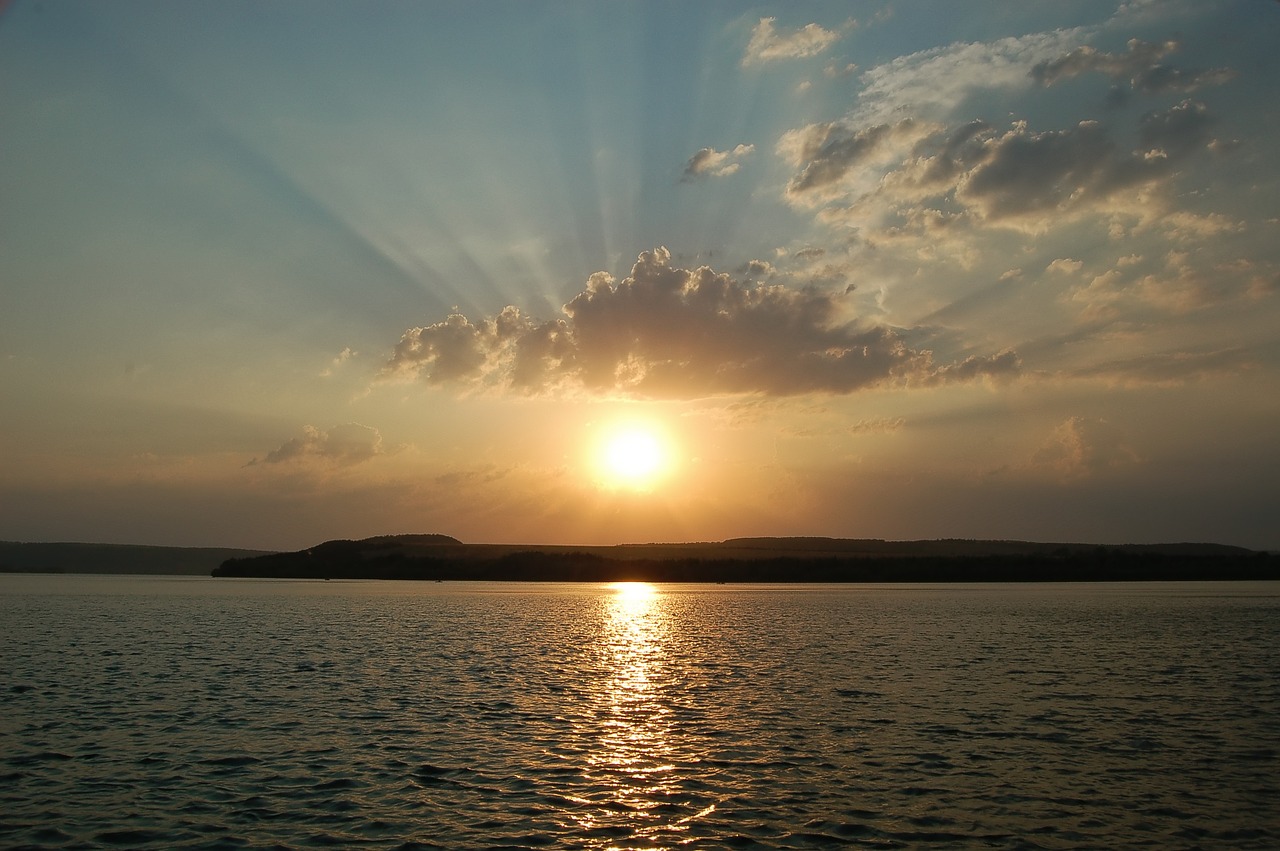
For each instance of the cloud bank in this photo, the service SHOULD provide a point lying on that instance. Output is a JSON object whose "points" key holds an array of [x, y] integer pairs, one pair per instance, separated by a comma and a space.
{"points": [[667, 332]]}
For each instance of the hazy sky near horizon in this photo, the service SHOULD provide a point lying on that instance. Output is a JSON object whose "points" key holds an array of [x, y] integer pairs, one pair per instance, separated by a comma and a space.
{"points": [[274, 273]]}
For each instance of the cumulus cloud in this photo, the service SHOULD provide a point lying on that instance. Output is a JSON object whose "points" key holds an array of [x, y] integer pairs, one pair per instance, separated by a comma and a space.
{"points": [[668, 332], [768, 43], [1082, 447], [1023, 172], [709, 162], [349, 443], [1140, 66]]}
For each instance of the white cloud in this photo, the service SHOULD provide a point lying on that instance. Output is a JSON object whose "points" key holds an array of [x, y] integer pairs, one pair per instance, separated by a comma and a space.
{"points": [[342, 357], [933, 84], [708, 162], [768, 43]]}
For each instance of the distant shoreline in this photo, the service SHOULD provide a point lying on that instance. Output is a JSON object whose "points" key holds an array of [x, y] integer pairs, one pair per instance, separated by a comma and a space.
{"points": [[739, 560], [771, 560], [16, 557]]}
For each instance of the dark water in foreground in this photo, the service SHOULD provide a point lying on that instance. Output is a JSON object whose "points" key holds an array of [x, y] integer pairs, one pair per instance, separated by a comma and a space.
{"points": [[196, 713]]}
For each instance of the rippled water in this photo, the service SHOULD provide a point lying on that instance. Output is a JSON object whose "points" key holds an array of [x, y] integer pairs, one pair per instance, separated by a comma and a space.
{"points": [[168, 712]]}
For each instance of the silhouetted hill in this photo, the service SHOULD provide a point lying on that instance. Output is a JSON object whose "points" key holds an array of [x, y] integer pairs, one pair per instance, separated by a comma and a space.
{"points": [[440, 557], [18, 557]]}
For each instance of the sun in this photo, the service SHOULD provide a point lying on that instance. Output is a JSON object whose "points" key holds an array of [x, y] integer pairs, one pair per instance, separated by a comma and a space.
{"points": [[633, 457]]}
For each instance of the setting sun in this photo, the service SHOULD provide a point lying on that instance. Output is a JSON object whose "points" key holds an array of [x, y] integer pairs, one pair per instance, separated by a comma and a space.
{"points": [[633, 457]]}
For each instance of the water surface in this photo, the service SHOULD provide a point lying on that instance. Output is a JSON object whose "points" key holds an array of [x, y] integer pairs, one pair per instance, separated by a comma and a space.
{"points": [[189, 712]]}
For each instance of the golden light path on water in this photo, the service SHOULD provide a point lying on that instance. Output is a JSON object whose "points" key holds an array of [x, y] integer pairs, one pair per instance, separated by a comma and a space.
{"points": [[635, 751]]}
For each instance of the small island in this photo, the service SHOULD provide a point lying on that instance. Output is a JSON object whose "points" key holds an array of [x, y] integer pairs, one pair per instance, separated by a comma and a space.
{"points": [[766, 560]]}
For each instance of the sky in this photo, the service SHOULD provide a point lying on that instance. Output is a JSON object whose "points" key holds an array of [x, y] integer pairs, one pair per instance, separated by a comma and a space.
{"points": [[278, 273]]}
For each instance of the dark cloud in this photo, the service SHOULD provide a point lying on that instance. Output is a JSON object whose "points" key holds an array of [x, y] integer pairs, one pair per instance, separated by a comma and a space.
{"points": [[1140, 66], [349, 443], [1177, 131], [1164, 78], [828, 152], [1026, 172], [1022, 171], [1141, 55], [919, 180], [668, 332]]}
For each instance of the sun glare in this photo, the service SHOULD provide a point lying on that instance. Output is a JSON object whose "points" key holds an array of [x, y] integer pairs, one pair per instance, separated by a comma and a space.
{"points": [[633, 457]]}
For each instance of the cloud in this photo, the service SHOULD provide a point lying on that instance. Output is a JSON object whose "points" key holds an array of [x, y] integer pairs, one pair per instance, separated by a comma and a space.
{"points": [[349, 443], [768, 43], [1182, 283], [709, 162], [935, 177], [342, 357], [1176, 132], [1185, 226], [1006, 364], [1023, 172], [880, 425], [934, 84], [1172, 368], [667, 332], [1065, 266], [1141, 66], [1082, 447], [826, 154]]}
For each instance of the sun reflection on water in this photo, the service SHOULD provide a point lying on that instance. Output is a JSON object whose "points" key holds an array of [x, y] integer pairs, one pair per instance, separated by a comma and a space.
{"points": [[633, 725]]}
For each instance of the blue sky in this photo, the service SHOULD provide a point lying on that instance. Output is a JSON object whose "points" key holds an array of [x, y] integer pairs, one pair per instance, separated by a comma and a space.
{"points": [[275, 273]]}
